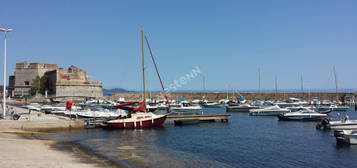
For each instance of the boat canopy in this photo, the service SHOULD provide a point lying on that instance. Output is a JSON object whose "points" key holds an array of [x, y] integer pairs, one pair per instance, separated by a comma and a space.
{"points": [[141, 106]]}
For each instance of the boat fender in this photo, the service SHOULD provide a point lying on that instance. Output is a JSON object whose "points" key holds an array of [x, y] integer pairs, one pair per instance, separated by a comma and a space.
{"points": [[318, 126], [338, 133], [15, 117], [325, 121]]}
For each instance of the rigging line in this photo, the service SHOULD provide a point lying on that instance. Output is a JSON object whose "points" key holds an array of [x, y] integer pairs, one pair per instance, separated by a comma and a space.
{"points": [[156, 68]]}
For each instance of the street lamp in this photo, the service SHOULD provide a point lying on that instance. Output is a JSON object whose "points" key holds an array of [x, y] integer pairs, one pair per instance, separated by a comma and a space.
{"points": [[4, 86]]}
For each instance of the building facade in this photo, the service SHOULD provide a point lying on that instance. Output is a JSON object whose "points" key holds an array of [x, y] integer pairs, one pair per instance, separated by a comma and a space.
{"points": [[60, 82], [72, 81]]}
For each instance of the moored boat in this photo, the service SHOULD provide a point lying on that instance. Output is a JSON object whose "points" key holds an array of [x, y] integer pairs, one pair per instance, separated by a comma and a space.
{"points": [[138, 120], [57, 107], [212, 105], [240, 108], [185, 109], [268, 111], [339, 108], [99, 114], [139, 117], [292, 102], [344, 124], [333, 108], [33, 106], [304, 115], [346, 137]]}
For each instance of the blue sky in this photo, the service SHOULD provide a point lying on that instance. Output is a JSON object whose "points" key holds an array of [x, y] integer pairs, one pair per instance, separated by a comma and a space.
{"points": [[228, 40]]}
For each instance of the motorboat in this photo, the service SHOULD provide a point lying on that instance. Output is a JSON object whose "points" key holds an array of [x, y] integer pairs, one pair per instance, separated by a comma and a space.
{"points": [[223, 101], [334, 107], [291, 102], [344, 124], [185, 109], [151, 106], [162, 108], [240, 107], [299, 108], [268, 111], [33, 106], [303, 115], [58, 112], [57, 107], [346, 137], [98, 114], [212, 104], [196, 101]]}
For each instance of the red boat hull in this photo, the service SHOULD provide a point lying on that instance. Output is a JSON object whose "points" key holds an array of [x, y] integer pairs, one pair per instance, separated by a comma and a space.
{"points": [[139, 124]]}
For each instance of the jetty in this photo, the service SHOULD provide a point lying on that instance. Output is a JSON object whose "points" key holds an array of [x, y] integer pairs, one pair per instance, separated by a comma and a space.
{"points": [[221, 117]]}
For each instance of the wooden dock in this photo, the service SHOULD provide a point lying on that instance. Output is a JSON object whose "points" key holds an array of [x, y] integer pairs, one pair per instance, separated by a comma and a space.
{"points": [[221, 117]]}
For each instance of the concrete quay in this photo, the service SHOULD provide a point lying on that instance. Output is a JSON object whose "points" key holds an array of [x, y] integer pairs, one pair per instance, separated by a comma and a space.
{"points": [[38, 121]]}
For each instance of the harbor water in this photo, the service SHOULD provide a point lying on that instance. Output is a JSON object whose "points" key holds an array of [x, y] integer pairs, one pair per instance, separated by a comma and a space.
{"points": [[245, 141]]}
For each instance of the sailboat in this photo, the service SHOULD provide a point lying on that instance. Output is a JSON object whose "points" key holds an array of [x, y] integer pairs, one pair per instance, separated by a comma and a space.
{"points": [[336, 106], [139, 117]]}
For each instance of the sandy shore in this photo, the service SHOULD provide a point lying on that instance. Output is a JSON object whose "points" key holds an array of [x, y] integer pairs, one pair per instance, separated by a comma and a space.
{"points": [[18, 152], [38, 121], [18, 148]]}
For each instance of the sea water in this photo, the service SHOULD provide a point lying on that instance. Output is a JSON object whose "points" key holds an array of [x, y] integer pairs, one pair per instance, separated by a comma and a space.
{"points": [[245, 141]]}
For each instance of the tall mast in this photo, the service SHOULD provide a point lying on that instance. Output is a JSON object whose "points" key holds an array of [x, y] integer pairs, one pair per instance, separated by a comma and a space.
{"points": [[143, 64], [276, 88], [334, 73], [259, 80], [204, 86], [227, 93], [302, 85]]}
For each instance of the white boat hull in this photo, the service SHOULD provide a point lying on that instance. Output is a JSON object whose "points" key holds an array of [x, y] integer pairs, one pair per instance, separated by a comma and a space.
{"points": [[346, 137], [268, 113], [302, 116], [341, 125]]}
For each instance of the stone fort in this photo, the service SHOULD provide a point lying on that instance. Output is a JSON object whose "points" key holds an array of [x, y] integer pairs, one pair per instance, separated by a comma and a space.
{"points": [[60, 82]]}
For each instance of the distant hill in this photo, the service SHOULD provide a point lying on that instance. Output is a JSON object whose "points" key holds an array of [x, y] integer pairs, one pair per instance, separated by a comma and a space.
{"points": [[110, 92]]}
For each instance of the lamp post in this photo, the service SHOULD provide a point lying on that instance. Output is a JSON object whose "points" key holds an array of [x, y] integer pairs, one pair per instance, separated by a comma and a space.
{"points": [[4, 85]]}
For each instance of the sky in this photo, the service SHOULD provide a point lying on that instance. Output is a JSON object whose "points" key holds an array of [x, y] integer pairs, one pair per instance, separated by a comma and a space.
{"points": [[228, 40]]}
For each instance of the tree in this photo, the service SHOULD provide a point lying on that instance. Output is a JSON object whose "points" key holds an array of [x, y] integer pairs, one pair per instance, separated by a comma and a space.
{"points": [[39, 85]]}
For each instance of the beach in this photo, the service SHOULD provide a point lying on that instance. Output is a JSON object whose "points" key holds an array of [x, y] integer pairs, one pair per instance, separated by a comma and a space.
{"points": [[17, 151], [20, 149]]}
